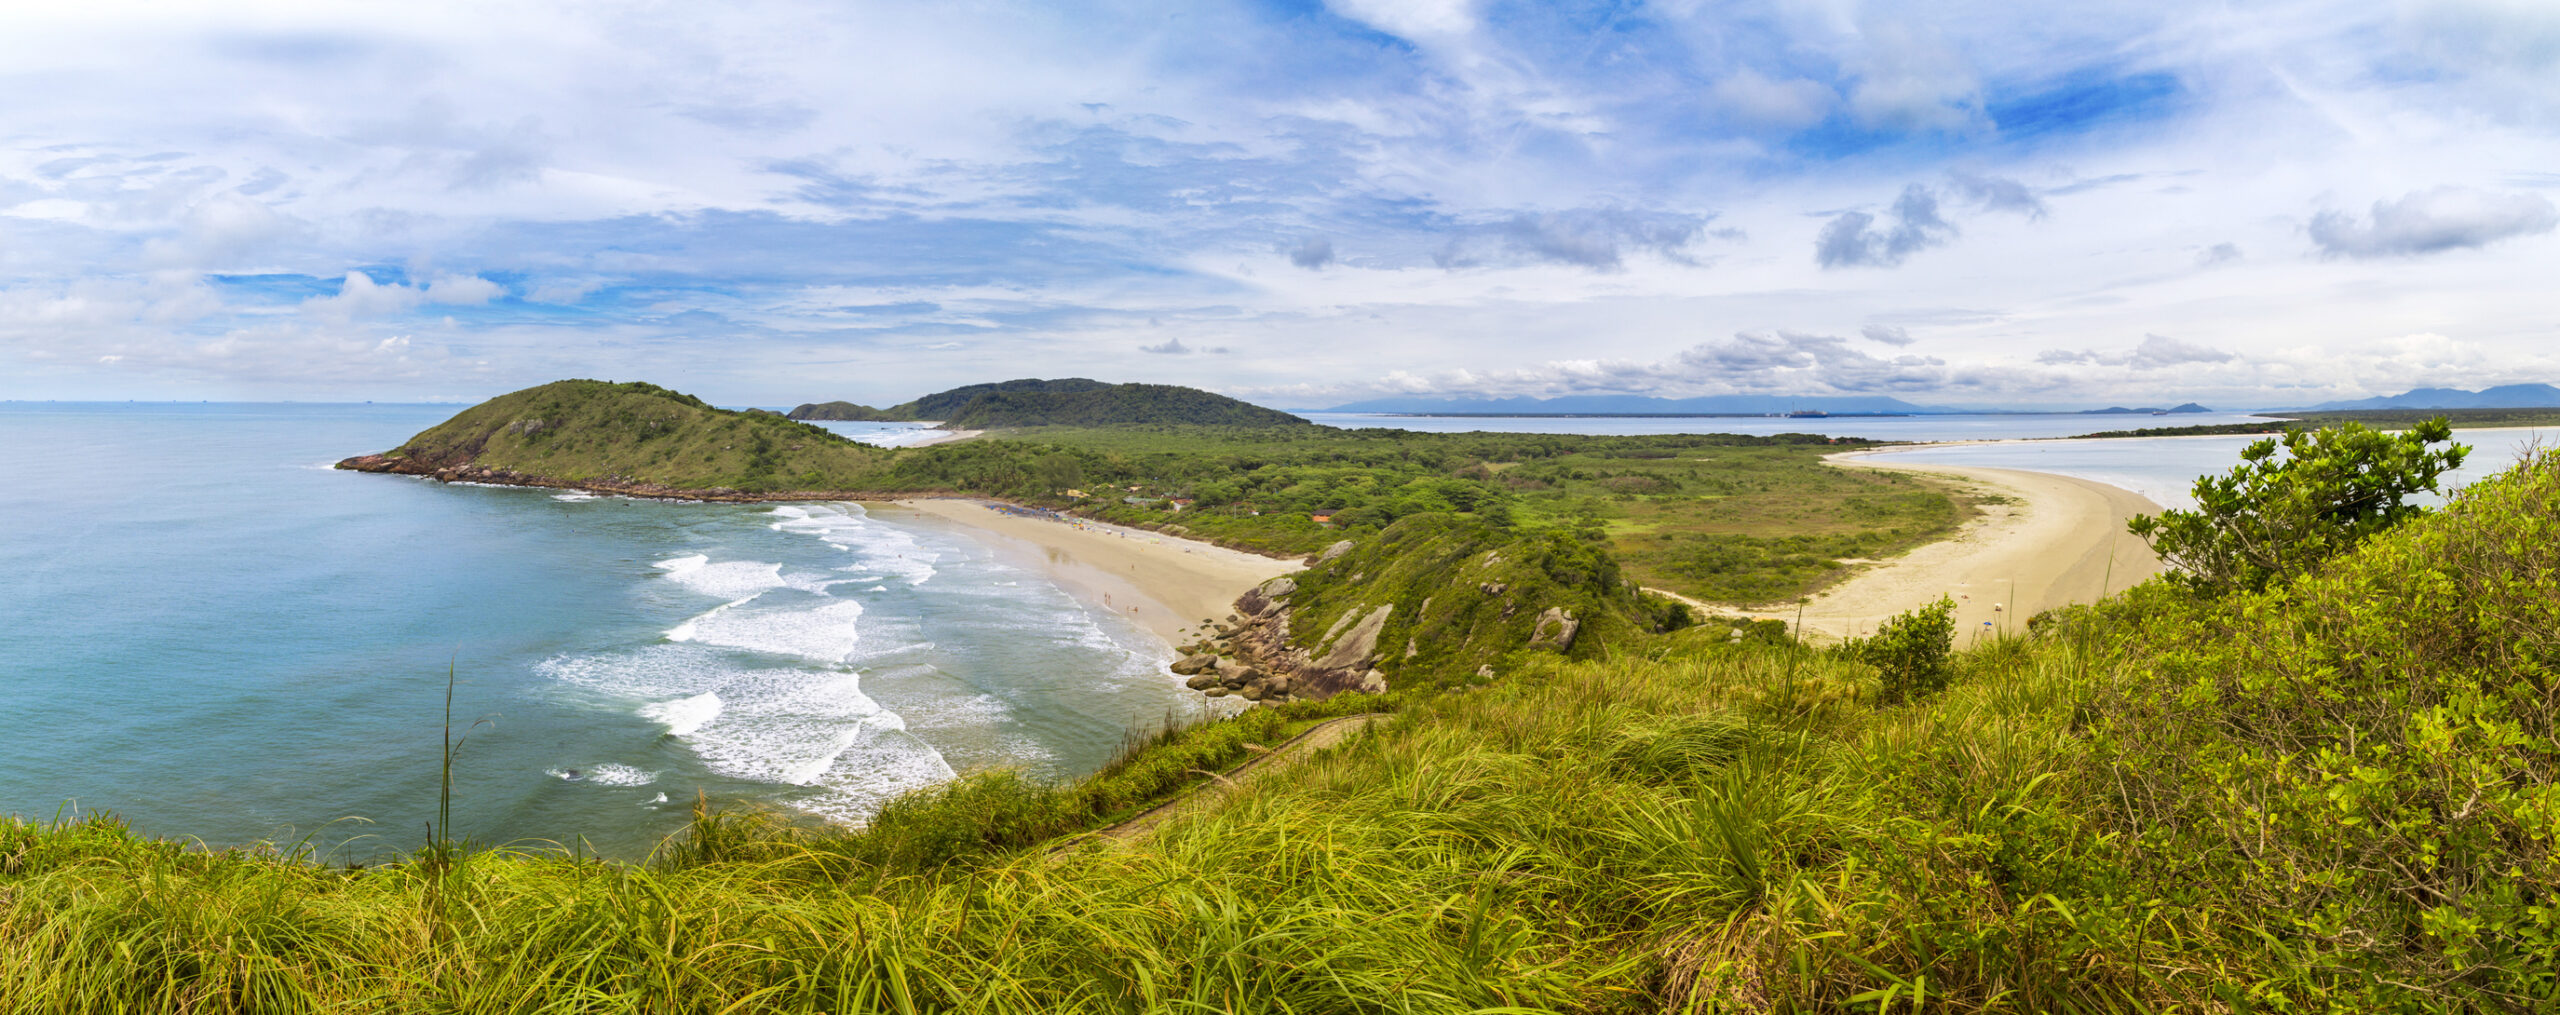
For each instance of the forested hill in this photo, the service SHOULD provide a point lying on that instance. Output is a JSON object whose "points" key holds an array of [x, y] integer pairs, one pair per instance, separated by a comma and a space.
{"points": [[843, 411], [632, 437], [1070, 401], [1113, 404]]}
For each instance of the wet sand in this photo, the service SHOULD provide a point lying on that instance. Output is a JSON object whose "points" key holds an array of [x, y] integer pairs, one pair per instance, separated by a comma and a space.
{"points": [[1167, 584]]}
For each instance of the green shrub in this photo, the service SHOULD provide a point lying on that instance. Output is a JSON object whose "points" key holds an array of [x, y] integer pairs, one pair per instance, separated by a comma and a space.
{"points": [[2273, 517], [1910, 651]]}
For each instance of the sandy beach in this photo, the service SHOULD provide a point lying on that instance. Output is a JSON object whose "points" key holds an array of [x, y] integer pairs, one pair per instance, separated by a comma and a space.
{"points": [[2060, 540], [1166, 583]]}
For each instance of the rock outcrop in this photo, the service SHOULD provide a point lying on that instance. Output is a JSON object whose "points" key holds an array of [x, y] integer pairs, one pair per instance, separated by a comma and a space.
{"points": [[1555, 630]]}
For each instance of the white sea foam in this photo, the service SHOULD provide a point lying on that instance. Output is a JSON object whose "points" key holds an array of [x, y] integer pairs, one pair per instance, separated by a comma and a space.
{"points": [[573, 496], [787, 726], [879, 549], [684, 715], [733, 580], [827, 634], [607, 774]]}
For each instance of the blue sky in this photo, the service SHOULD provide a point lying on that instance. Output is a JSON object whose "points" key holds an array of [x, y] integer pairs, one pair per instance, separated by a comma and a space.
{"points": [[1302, 203]]}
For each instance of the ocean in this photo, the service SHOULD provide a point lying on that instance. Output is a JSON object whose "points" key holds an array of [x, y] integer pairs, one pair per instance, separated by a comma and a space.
{"points": [[214, 635]]}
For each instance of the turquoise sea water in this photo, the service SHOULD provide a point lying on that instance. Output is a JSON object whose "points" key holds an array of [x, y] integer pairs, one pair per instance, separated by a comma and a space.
{"points": [[212, 634]]}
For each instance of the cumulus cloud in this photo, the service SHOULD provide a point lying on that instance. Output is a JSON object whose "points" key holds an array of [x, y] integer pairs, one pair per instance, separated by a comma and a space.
{"points": [[1795, 361], [1886, 333], [2429, 221], [1995, 193], [1410, 19], [2219, 253], [1174, 347], [1312, 253], [1851, 239], [360, 296], [463, 290], [2156, 352]]}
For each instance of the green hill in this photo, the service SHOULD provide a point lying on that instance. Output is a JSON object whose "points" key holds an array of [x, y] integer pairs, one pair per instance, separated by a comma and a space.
{"points": [[945, 404], [627, 438], [842, 411], [1070, 401]]}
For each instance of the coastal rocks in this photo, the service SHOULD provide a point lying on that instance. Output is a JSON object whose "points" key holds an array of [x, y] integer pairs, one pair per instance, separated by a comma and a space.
{"points": [[1267, 597], [1331, 553], [1555, 629], [1254, 658], [1194, 663], [1234, 674], [1357, 646], [1493, 588]]}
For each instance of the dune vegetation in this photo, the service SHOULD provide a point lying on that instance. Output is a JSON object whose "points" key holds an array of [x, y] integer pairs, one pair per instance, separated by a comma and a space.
{"points": [[2334, 789]]}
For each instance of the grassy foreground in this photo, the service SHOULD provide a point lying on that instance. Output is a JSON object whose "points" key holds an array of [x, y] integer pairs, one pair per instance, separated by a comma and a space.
{"points": [[2340, 794]]}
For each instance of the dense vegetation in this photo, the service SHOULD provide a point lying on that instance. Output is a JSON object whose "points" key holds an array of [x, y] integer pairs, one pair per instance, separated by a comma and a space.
{"points": [[1463, 596], [2340, 792], [597, 433], [1072, 401], [2272, 516]]}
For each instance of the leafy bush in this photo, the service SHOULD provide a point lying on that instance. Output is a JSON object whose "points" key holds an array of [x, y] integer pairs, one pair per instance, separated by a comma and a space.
{"points": [[1910, 651], [2272, 517]]}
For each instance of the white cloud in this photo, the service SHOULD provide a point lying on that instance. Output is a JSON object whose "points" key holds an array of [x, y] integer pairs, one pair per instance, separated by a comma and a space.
{"points": [[1761, 101], [468, 290], [1411, 19], [2425, 222]]}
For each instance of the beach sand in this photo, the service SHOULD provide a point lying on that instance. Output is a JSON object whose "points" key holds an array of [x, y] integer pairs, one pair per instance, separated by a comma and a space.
{"points": [[1166, 584], [2061, 540]]}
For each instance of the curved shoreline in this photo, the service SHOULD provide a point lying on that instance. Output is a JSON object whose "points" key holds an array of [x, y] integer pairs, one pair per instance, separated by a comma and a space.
{"points": [[1166, 584], [2061, 541]]}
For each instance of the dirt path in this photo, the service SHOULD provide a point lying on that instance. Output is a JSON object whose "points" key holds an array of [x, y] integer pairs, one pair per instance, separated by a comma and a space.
{"points": [[1318, 737]]}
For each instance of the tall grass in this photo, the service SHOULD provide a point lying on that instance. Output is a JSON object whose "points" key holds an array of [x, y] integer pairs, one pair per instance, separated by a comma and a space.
{"points": [[2339, 796]]}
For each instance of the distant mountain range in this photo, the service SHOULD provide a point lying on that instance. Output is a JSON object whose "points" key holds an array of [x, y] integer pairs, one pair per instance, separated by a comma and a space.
{"points": [[1710, 405], [2118, 410], [2505, 396]]}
